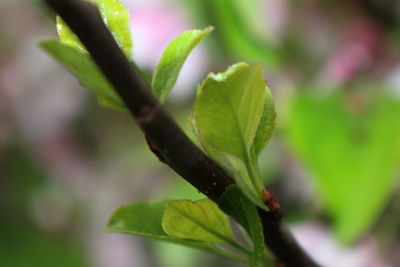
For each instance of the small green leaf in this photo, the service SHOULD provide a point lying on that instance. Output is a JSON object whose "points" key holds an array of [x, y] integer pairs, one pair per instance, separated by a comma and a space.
{"points": [[82, 66], [267, 124], [171, 61], [227, 114], [235, 203], [115, 16], [201, 220], [145, 220]]}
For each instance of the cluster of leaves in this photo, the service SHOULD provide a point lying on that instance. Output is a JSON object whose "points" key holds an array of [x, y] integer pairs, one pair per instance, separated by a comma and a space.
{"points": [[71, 53], [232, 121], [200, 224]]}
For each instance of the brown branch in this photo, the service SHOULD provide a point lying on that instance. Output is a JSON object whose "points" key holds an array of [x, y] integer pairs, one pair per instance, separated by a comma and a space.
{"points": [[164, 136]]}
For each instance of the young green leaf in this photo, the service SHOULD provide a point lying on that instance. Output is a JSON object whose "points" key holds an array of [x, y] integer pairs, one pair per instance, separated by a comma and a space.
{"points": [[201, 220], [82, 66], [267, 124], [115, 16], [227, 115], [171, 61], [145, 220], [235, 203], [73, 56]]}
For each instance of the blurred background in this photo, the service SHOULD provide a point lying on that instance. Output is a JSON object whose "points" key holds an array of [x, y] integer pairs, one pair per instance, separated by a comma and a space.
{"points": [[334, 71]]}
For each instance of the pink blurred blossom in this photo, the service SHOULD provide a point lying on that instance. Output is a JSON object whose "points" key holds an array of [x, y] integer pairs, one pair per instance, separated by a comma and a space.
{"points": [[277, 15], [319, 242], [361, 46], [153, 27]]}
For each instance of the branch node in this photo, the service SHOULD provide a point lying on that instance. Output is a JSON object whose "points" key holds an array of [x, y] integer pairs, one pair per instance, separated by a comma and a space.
{"points": [[146, 114], [271, 201]]}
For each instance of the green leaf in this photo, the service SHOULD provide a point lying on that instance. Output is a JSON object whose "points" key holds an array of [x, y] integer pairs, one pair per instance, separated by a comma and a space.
{"points": [[200, 220], [235, 203], [267, 124], [171, 61], [239, 30], [227, 113], [115, 16], [82, 66], [71, 53], [145, 220], [353, 156]]}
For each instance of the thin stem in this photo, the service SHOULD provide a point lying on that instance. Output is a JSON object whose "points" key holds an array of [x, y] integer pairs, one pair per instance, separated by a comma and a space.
{"points": [[230, 255], [239, 247], [254, 175]]}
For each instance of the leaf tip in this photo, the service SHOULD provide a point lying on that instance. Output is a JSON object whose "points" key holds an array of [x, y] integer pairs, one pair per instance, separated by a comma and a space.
{"points": [[113, 221], [209, 29]]}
